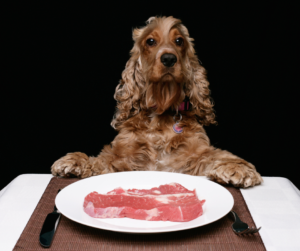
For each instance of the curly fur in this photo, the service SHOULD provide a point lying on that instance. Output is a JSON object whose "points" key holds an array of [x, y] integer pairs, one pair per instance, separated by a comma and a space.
{"points": [[147, 98], [133, 84]]}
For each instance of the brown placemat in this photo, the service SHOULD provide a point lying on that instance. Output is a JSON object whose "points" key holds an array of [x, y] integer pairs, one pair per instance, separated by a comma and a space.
{"points": [[74, 236]]}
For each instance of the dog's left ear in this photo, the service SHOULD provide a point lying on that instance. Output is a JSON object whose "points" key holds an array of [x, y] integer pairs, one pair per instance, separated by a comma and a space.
{"points": [[197, 86], [199, 94]]}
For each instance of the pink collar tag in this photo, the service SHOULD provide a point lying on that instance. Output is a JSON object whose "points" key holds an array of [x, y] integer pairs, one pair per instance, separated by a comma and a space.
{"points": [[177, 129]]}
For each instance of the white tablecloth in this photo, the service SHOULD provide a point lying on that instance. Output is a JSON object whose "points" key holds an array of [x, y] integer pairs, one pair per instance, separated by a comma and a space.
{"points": [[274, 205]]}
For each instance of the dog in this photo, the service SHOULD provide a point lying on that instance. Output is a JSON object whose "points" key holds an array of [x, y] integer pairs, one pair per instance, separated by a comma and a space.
{"points": [[163, 102]]}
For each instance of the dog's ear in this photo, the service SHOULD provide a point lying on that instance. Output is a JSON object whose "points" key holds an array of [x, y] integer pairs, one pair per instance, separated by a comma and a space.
{"points": [[127, 94], [197, 89], [197, 86], [129, 90]]}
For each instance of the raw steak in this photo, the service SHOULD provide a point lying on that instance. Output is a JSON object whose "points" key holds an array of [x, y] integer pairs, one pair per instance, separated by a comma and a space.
{"points": [[171, 202]]}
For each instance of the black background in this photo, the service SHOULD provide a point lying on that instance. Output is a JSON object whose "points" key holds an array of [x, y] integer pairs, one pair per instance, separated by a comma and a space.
{"points": [[62, 64]]}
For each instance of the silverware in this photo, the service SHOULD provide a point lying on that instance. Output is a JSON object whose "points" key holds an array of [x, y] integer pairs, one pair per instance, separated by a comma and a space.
{"points": [[240, 227], [49, 227]]}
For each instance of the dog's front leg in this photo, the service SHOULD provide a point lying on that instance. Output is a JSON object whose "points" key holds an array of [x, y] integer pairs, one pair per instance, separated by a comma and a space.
{"points": [[80, 165], [224, 167], [123, 154]]}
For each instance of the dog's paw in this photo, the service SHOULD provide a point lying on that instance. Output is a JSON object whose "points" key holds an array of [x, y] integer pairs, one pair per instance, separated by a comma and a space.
{"points": [[237, 174], [70, 165]]}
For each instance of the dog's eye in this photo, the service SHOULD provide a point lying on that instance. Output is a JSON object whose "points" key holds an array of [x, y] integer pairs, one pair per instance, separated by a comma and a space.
{"points": [[150, 42], [179, 41]]}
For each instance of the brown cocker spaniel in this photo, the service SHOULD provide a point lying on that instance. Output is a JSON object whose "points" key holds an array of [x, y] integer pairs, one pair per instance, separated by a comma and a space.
{"points": [[163, 102]]}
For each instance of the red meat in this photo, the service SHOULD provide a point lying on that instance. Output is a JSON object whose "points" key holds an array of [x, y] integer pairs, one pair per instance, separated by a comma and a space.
{"points": [[171, 202]]}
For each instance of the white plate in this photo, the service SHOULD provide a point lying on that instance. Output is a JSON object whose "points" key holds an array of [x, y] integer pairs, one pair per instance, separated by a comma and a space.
{"points": [[70, 200]]}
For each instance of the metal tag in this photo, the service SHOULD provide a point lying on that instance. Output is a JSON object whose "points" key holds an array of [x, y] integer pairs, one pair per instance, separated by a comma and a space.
{"points": [[177, 129]]}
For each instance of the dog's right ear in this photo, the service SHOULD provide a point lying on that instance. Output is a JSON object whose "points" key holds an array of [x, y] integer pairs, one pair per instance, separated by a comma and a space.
{"points": [[127, 95], [129, 90]]}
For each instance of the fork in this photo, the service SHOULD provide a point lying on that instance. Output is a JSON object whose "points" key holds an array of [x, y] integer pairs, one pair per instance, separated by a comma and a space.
{"points": [[240, 227]]}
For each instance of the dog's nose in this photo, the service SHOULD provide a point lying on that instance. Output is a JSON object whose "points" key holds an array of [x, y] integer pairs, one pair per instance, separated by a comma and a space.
{"points": [[168, 59]]}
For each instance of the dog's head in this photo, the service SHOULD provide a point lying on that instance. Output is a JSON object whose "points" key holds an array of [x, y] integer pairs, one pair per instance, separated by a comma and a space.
{"points": [[162, 70]]}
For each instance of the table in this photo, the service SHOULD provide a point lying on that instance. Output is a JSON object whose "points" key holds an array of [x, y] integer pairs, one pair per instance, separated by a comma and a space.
{"points": [[274, 205]]}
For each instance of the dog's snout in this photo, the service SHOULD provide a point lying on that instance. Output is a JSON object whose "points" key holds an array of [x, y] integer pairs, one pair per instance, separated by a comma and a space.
{"points": [[168, 59]]}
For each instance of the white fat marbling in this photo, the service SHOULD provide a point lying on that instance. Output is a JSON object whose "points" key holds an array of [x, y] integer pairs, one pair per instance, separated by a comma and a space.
{"points": [[152, 213]]}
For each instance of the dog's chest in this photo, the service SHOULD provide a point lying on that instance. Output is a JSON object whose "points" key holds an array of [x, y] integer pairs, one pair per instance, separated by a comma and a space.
{"points": [[160, 141]]}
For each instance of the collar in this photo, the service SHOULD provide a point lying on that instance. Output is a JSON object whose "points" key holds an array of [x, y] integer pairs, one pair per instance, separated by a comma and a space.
{"points": [[184, 106]]}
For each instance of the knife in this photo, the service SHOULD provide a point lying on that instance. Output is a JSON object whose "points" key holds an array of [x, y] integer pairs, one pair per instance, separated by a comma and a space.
{"points": [[49, 227]]}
